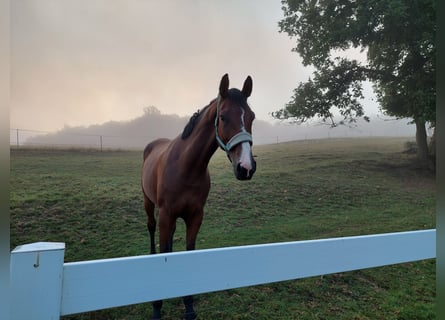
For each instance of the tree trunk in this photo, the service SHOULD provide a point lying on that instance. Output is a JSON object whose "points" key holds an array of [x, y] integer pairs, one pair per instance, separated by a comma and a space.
{"points": [[432, 146], [422, 143], [432, 150]]}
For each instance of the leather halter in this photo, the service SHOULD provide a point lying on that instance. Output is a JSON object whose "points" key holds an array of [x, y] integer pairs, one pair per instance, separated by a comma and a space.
{"points": [[240, 137]]}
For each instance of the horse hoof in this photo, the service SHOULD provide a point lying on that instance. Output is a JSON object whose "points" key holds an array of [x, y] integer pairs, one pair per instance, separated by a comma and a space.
{"points": [[190, 316]]}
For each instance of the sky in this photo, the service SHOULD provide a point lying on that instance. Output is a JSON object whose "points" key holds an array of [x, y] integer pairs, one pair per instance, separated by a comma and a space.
{"points": [[86, 62]]}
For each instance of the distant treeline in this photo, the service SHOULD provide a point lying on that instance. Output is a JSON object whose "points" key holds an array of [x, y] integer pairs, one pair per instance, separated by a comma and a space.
{"points": [[136, 133]]}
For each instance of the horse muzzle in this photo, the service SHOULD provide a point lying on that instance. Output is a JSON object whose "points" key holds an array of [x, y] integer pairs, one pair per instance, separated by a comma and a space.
{"points": [[245, 173], [244, 166]]}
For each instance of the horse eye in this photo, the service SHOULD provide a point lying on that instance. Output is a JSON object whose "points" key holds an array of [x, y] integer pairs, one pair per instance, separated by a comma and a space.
{"points": [[222, 118]]}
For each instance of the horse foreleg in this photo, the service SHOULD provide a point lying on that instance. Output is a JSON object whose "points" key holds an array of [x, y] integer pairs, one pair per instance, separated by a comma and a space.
{"points": [[167, 227], [193, 224], [157, 306]]}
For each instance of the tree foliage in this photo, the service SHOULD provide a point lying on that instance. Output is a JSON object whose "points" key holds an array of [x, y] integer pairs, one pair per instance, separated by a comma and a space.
{"points": [[398, 37]]}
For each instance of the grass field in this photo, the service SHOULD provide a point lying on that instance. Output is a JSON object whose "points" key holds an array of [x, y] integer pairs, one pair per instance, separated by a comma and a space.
{"points": [[302, 190]]}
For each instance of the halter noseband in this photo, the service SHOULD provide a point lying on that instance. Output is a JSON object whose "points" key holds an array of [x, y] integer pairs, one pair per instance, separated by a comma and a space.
{"points": [[242, 136]]}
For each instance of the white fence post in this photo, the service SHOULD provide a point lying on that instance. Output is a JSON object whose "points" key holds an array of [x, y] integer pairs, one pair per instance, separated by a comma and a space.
{"points": [[36, 280]]}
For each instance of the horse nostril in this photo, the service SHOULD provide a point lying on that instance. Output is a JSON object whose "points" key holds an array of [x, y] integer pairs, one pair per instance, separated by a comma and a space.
{"points": [[243, 173], [238, 168]]}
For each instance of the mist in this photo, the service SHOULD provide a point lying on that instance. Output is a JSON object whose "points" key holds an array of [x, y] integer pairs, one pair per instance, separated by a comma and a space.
{"points": [[78, 63], [153, 124]]}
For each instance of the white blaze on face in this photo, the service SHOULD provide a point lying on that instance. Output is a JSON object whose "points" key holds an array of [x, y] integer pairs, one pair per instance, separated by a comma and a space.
{"points": [[245, 160]]}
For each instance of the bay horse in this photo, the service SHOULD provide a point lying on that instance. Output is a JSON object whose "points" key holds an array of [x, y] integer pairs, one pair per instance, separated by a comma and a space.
{"points": [[175, 177]]}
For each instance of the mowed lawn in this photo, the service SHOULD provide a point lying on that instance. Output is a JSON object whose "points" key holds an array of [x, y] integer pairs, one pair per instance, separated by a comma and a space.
{"points": [[302, 190]]}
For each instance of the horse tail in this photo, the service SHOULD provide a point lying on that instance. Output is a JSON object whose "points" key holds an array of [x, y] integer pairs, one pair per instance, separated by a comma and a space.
{"points": [[149, 147]]}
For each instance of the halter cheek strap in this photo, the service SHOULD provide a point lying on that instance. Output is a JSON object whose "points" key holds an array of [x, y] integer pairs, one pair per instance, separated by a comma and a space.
{"points": [[240, 137]]}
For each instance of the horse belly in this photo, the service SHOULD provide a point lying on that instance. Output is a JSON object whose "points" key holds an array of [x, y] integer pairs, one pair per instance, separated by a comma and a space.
{"points": [[181, 200]]}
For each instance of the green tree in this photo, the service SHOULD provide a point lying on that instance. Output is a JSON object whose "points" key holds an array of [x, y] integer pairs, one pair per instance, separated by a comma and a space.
{"points": [[398, 37]]}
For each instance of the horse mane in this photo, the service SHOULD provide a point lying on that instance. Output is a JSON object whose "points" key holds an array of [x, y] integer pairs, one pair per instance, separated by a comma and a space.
{"points": [[194, 119], [234, 95]]}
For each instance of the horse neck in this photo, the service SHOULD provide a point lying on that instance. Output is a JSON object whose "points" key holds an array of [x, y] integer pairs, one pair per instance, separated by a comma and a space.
{"points": [[201, 144]]}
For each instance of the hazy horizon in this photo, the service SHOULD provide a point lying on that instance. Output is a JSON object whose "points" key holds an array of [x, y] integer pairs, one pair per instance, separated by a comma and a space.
{"points": [[153, 124], [83, 63]]}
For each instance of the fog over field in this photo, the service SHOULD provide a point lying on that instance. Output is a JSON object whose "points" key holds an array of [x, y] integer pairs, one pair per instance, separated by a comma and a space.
{"points": [[76, 67], [83, 77], [152, 124]]}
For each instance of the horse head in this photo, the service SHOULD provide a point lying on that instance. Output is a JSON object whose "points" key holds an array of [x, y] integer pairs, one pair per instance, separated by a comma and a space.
{"points": [[233, 124]]}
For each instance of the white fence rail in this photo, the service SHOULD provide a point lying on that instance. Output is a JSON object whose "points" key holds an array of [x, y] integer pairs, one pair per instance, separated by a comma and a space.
{"points": [[44, 287]]}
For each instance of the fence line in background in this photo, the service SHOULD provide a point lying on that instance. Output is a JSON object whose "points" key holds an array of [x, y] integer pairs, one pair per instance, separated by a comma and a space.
{"points": [[44, 287], [25, 137], [22, 137]]}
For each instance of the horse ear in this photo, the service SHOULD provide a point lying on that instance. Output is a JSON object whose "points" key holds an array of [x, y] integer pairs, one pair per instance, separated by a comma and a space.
{"points": [[224, 86], [247, 88]]}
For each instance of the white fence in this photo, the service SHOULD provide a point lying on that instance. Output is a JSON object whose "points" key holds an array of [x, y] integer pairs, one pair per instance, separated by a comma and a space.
{"points": [[44, 287]]}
